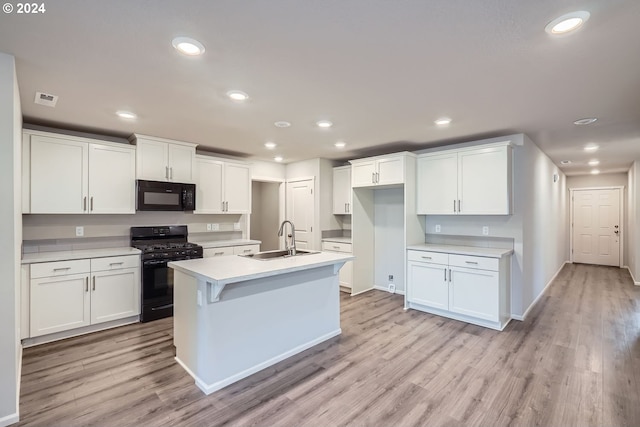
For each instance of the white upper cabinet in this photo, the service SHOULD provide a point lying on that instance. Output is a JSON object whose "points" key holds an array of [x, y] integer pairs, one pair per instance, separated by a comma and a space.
{"points": [[159, 159], [342, 190], [376, 171], [72, 175], [59, 177], [112, 178], [222, 186], [471, 181]]}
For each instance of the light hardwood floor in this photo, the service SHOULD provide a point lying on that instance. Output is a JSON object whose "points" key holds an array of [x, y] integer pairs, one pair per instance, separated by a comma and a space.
{"points": [[575, 361]]}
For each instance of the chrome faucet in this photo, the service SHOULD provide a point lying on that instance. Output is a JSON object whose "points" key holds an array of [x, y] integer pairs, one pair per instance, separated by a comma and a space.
{"points": [[291, 249]]}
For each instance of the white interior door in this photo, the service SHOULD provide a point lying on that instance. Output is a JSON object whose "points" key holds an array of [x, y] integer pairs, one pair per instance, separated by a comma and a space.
{"points": [[300, 208], [596, 226]]}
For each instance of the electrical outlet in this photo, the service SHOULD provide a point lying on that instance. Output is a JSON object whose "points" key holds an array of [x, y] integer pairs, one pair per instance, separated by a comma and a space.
{"points": [[209, 227], [392, 288], [485, 230], [215, 227], [236, 226], [391, 277], [438, 229], [79, 231]]}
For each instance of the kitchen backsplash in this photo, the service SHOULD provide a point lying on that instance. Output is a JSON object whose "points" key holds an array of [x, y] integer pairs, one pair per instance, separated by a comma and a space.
{"points": [[475, 241], [42, 233]]}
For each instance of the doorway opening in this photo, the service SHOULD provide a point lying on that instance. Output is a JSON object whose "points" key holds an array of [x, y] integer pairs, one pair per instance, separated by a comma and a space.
{"points": [[267, 212]]}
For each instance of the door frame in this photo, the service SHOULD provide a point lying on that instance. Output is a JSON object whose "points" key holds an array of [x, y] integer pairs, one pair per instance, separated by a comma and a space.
{"points": [[621, 212]]}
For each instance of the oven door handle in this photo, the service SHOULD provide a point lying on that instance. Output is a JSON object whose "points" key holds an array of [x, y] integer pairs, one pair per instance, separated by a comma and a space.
{"points": [[154, 263]]}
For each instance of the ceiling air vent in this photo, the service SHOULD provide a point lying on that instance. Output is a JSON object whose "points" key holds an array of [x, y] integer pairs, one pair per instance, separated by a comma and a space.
{"points": [[46, 99]]}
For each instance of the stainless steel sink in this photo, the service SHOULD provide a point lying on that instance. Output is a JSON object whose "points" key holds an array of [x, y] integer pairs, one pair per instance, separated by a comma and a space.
{"points": [[265, 256]]}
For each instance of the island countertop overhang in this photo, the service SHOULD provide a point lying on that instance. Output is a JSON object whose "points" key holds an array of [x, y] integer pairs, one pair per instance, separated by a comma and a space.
{"points": [[233, 269]]}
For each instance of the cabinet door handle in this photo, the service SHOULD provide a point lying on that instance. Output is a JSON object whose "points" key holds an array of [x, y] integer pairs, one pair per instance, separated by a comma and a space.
{"points": [[218, 253], [62, 268], [454, 205], [171, 172], [84, 204], [116, 263], [471, 262], [373, 177], [336, 247], [377, 177], [166, 172], [348, 207], [86, 284], [94, 283], [91, 204], [459, 208], [247, 251], [445, 274], [426, 257], [449, 275]]}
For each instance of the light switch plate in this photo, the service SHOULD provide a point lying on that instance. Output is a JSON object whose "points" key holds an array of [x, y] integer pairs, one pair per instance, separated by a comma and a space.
{"points": [[438, 229], [209, 227], [79, 231]]}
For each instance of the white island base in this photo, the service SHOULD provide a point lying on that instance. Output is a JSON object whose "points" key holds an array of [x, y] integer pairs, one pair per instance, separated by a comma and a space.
{"points": [[226, 330]]}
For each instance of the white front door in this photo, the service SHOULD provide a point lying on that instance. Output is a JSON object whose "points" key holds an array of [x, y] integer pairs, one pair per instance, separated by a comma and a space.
{"points": [[596, 226], [300, 208]]}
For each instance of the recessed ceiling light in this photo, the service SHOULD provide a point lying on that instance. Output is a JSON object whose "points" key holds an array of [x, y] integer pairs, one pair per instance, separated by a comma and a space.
{"points": [[565, 162], [237, 95], [567, 23], [188, 46], [442, 121], [270, 145], [126, 115], [340, 144], [595, 172], [282, 124], [278, 158], [594, 162], [591, 148], [585, 121], [325, 124]]}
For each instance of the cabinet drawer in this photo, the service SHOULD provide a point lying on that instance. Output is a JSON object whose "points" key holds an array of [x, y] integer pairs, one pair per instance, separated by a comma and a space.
{"points": [[432, 257], [60, 268], [115, 263], [336, 247], [246, 249], [481, 263], [213, 252]]}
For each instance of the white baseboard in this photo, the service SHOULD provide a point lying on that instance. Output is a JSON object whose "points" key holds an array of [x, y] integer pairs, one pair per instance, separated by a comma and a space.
{"points": [[535, 301], [9, 419], [43, 339], [362, 292], [382, 288], [635, 282], [210, 388]]}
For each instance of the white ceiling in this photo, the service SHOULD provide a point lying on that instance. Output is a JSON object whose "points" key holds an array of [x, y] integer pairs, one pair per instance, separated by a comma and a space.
{"points": [[381, 70]]}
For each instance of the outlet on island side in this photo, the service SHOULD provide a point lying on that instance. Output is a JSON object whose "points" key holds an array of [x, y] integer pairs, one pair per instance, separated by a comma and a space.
{"points": [[485, 230], [79, 231], [438, 228], [208, 227]]}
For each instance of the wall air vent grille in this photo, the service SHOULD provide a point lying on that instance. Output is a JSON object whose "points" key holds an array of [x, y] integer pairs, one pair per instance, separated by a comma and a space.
{"points": [[46, 99]]}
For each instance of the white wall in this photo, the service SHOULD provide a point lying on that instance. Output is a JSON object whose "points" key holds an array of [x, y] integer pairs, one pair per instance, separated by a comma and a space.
{"points": [[601, 180], [389, 237], [538, 225], [11, 237], [633, 222], [267, 171]]}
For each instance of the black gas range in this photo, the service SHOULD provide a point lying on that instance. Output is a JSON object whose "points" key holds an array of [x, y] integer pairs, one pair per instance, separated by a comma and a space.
{"points": [[159, 245]]}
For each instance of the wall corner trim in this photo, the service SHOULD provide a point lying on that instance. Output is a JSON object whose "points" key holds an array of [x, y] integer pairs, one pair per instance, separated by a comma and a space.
{"points": [[546, 287], [635, 282]]}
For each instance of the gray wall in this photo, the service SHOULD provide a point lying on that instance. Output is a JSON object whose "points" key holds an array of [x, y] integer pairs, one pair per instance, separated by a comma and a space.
{"points": [[265, 218], [389, 237], [601, 180], [538, 225], [10, 235]]}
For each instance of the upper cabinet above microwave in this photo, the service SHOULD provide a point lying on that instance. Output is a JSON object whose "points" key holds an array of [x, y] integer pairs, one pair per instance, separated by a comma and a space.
{"points": [[468, 181], [65, 174], [159, 159]]}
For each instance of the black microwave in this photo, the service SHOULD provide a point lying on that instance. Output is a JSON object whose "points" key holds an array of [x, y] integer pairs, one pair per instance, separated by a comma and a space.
{"points": [[165, 196]]}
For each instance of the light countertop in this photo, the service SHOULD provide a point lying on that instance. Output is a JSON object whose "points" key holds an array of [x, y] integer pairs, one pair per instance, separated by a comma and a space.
{"points": [[337, 239], [462, 250], [36, 257], [225, 243], [231, 269]]}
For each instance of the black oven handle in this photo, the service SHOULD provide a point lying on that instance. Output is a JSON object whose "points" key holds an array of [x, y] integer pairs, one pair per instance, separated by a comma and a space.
{"points": [[154, 263]]}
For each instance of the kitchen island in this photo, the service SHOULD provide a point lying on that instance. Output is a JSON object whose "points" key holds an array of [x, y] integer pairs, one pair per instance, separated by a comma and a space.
{"points": [[234, 316]]}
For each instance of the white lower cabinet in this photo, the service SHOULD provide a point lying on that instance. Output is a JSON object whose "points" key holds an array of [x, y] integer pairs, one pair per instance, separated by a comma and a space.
{"points": [[346, 272], [66, 295], [473, 289]]}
